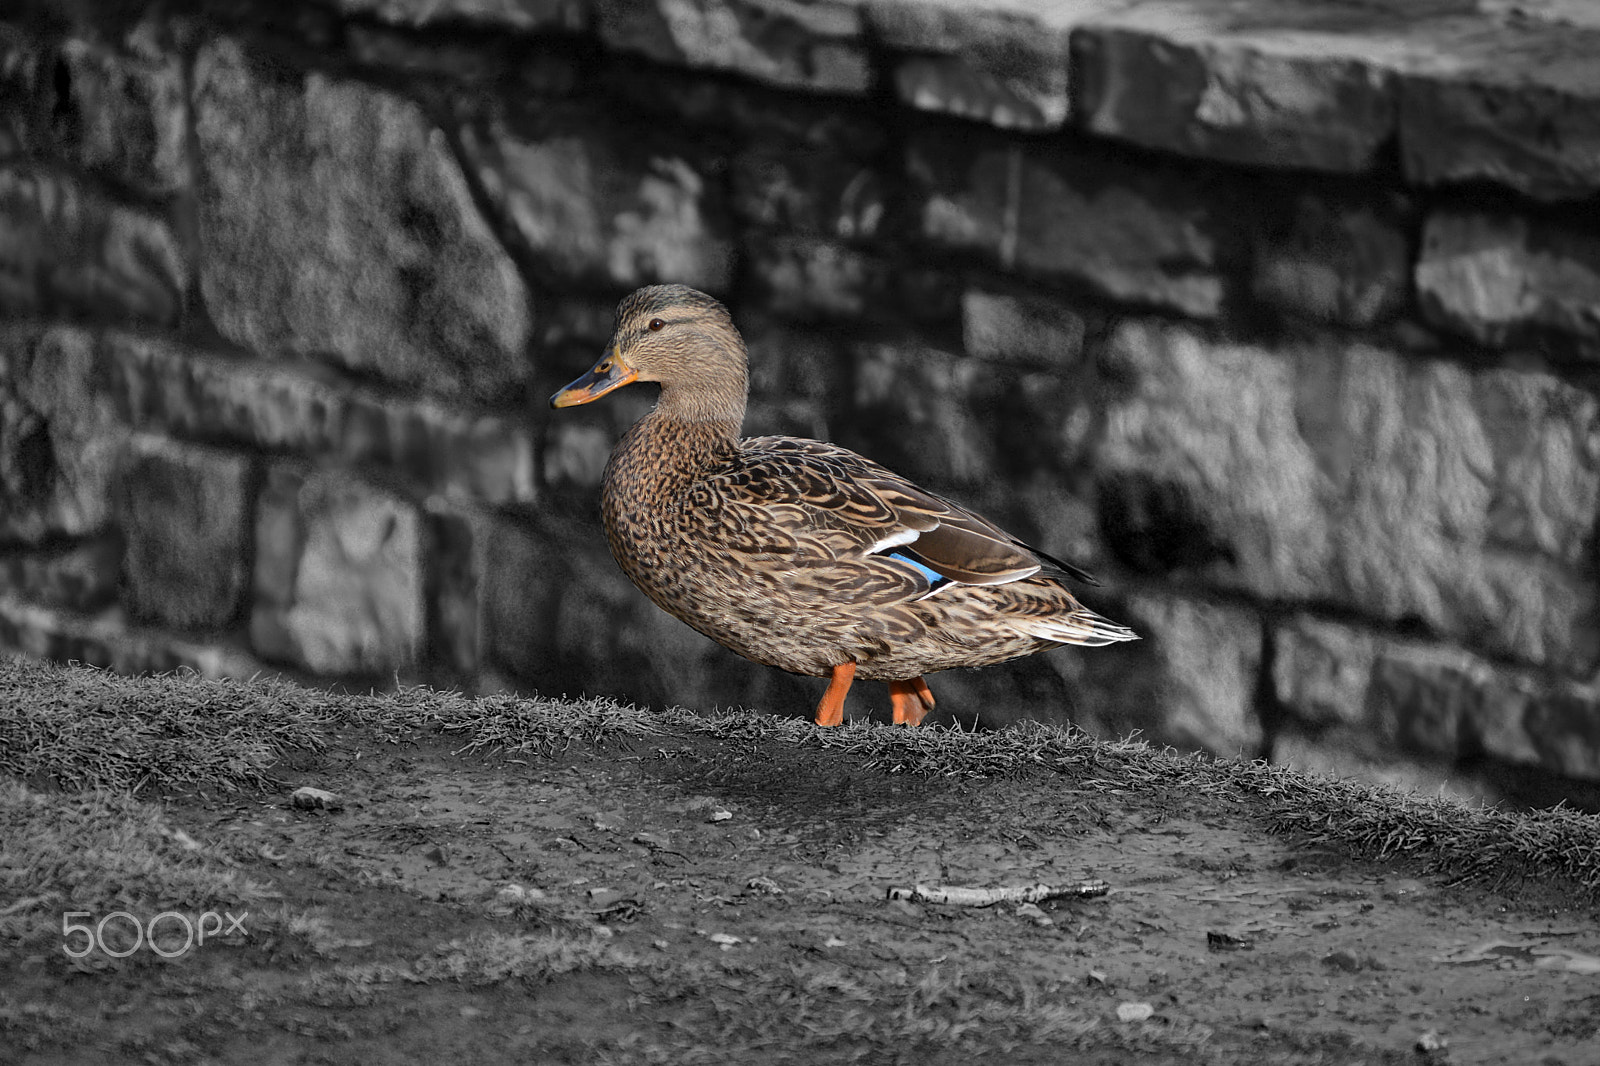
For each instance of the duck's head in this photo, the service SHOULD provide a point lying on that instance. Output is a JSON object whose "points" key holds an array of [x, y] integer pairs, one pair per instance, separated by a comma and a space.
{"points": [[680, 338]]}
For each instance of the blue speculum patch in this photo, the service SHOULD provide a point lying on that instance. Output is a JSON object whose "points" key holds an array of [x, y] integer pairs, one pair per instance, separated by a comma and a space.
{"points": [[935, 579]]}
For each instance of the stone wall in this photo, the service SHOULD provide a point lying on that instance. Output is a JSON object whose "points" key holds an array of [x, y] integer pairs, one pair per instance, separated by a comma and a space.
{"points": [[1282, 317]]}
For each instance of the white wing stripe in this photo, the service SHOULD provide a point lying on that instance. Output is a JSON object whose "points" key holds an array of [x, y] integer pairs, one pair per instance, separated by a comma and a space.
{"points": [[894, 540]]}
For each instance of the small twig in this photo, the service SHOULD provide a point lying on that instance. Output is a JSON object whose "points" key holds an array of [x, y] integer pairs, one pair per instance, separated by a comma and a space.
{"points": [[987, 897]]}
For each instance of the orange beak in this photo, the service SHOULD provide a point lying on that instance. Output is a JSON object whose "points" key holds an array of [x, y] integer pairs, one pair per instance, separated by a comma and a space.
{"points": [[609, 374]]}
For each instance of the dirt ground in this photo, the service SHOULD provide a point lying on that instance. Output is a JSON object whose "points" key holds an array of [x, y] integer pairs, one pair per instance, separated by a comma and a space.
{"points": [[693, 899]]}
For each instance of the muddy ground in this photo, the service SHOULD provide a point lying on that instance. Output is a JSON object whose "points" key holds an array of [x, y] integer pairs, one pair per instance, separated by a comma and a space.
{"points": [[695, 899]]}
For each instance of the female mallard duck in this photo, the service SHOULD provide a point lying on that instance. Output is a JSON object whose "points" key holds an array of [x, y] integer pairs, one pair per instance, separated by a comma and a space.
{"points": [[799, 554]]}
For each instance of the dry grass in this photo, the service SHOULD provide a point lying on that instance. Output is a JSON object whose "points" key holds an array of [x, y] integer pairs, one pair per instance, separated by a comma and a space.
{"points": [[499, 724], [82, 729], [89, 729], [102, 852], [1462, 842]]}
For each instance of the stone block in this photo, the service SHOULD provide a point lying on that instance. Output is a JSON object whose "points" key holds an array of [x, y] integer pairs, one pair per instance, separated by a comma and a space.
{"points": [[811, 278], [926, 414], [1515, 101], [123, 111], [339, 575], [602, 207], [514, 15], [806, 192], [1340, 259], [184, 513], [335, 224], [1134, 230], [1190, 681], [1339, 753], [158, 385], [1006, 66], [58, 447], [106, 640], [817, 46], [78, 576], [1268, 90], [19, 83], [1498, 277], [798, 379], [1389, 698], [1407, 490], [576, 454], [524, 577], [456, 584], [1321, 671], [1026, 330], [65, 249]]}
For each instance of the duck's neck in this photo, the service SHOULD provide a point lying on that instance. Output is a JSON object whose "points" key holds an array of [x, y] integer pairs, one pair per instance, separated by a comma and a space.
{"points": [[674, 445]]}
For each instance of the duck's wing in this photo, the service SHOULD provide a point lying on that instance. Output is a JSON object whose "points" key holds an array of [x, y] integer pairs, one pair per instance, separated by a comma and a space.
{"points": [[824, 495]]}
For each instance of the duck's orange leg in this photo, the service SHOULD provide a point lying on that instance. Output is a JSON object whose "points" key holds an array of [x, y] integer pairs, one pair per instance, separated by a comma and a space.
{"points": [[910, 700], [830, 709]]}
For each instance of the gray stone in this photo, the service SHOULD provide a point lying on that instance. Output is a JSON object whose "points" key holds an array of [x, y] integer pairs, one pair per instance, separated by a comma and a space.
{"points": [[519, 15], [336, 224], [796, 379], [576, 453], [1190, 681], [124, 112], [1516, 102], [79, 576], [1210, 657], [1494, 277], [19, 81], [804, 191], [1004, 65], [808, 278], [1020, 329], [1321, 671], [1191, 81], [106, 640], [816, 45], [523, 578], [58, 447], [66, 249], [1390, 699], [1339, 753], [456, 584], [1133, 230], [339, 579], [184, 513], [1401, 489], [1341, 260], [156, 384], [926, 409], [603, 208]]}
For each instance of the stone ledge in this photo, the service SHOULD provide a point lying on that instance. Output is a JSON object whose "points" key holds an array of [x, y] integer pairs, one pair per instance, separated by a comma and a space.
{"points": [[1470, 91]]}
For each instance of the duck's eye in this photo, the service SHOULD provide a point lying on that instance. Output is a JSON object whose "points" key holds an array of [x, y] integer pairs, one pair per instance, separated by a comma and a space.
{"points": [[657, 325]]}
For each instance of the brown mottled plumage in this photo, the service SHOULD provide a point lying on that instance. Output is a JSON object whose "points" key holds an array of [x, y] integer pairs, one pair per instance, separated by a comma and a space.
{"points": [[799, 554]]}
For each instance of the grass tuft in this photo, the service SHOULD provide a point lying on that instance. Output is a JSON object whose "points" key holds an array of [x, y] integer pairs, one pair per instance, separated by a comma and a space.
{"points": [[102, 852], [84, 728], [490, 958], [1461, 842], [500, 724]]}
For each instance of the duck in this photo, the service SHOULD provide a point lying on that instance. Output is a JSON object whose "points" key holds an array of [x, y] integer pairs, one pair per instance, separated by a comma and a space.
{"points": [[800, 554]]}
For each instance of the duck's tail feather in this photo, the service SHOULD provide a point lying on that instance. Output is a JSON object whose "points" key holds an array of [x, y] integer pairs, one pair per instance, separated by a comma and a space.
{"points": [[1081, 626]]}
